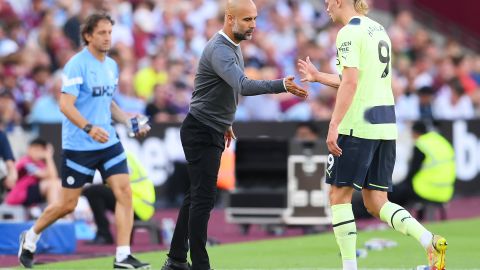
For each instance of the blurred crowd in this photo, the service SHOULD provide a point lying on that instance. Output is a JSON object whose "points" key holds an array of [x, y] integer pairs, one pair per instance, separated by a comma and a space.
{"points": [[157, 44]]}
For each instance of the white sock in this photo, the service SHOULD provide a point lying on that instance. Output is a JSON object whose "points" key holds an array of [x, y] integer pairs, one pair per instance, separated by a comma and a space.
{"points": [[426, 239], [349, 264], [122, 253], [31, 239]]}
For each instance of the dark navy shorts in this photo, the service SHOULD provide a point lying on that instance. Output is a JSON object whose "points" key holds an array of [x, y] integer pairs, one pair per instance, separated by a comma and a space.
{"points": [[78, 167], [363, 164]]}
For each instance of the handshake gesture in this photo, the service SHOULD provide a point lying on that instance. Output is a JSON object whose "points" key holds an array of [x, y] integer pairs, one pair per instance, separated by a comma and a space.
{"points": [[294, 88]]}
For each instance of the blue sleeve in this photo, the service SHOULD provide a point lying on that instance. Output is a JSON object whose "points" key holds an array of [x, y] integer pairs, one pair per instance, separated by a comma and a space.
{"points": [[5, 149], [72, 78]]}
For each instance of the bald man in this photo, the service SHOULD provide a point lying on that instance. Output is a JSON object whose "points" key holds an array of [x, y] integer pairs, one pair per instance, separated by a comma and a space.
{"points": [[220, 79]]}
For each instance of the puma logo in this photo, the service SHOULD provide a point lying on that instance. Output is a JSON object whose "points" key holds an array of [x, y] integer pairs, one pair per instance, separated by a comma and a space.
{"points": [[403, 219], [352, 233]]}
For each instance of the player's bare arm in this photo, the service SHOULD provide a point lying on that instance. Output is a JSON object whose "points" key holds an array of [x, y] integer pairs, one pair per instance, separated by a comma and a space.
{"points": [[67, 107], [120, 116], [345, 94], [117, 114], [311, 74]]}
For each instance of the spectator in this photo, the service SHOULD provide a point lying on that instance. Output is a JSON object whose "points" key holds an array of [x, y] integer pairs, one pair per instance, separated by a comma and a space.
{"points": [[317, 108], [160, 110], [125, 97], [146, 78], [37, 176], [407, 106], [12, 90], [431, 173], [9, 115], [306, 131], [453, 103], [7, 45], [46, 109], [8, 172], [72, 26], [476, 70], [143, 27], [46, 33], [463, 68], [36, 87], [422, 72], [425, 106], [7, 13]]}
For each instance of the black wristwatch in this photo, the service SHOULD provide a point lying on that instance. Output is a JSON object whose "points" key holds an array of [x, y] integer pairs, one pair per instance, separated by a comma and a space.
{"points": [[87, 128]]}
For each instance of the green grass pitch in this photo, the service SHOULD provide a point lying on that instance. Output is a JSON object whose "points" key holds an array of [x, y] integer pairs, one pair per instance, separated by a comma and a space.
{"points": [[320, 252]]}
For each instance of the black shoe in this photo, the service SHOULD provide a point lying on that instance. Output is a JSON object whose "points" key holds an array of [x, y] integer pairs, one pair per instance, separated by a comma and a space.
{"points": [[25, 256], [130, 263], [100, 241], [171, 264]]}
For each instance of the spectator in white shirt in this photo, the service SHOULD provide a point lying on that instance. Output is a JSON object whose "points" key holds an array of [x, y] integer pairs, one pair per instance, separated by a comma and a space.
{"points": [[453, 104]]}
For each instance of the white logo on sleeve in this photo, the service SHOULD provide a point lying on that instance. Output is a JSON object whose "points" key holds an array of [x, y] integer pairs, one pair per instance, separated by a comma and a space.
{"points": [[70, 180]]}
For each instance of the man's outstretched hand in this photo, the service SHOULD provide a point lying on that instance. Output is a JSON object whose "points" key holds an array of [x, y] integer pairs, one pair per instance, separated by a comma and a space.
{"points": [[294, 88], [307, 69]]}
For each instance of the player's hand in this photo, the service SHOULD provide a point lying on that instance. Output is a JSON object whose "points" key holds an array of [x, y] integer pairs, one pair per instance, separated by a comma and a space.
{"points": [[307, 69], [143, 131], [140, 127], [294, 88], [229, 136], [332, 138], [99, 134], [144, 127]]}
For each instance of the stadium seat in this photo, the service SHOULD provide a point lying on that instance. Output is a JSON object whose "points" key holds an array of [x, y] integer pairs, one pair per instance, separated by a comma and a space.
{"points": [[151, 226], [12, 213], [428, 210]]}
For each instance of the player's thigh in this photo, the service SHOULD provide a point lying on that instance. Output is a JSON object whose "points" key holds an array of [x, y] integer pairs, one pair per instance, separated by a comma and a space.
{"points": [[120, 185], [381, 169], [78, 168], [48, 185], [351, 168], [114, 169], [113, 165]]}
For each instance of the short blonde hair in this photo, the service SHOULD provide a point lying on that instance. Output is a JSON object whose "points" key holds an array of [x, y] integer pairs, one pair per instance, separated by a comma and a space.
{"points": [[361, 6]]}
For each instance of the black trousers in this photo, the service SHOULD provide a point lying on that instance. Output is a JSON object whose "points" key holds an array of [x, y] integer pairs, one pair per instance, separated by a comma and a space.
{"points": [[403, 193], [203, 147], [101, 200]]}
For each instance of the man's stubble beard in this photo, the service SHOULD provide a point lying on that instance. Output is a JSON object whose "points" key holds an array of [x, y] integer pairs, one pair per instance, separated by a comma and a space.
{"points": [[238, 35]]}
